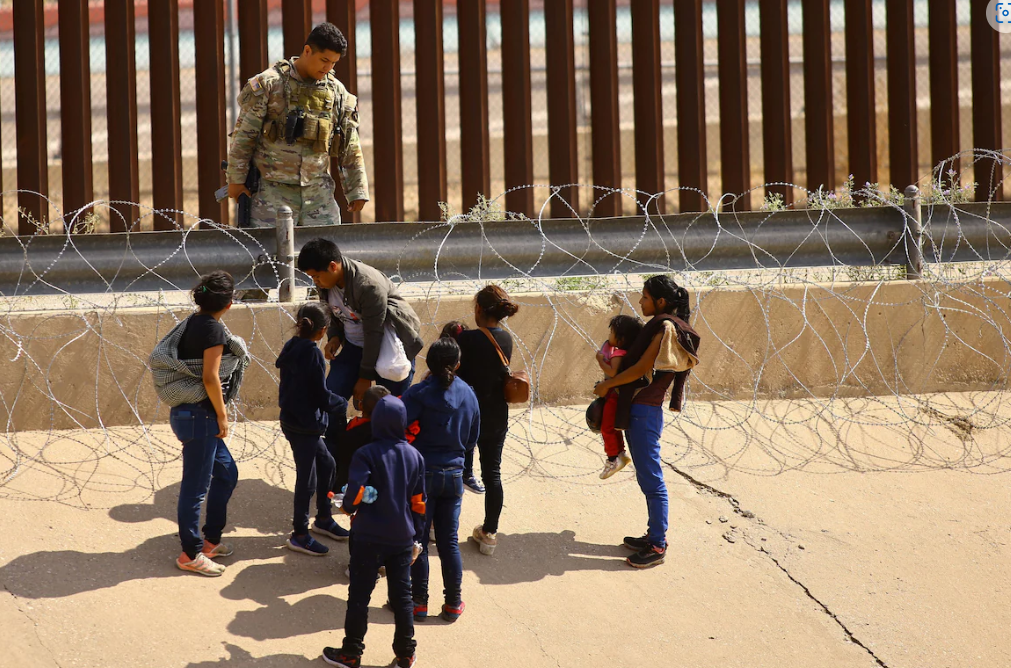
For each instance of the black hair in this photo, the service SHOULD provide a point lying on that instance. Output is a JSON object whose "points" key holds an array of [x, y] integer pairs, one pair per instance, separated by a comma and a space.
{"points": [[626, 328], [453, 329], [442, 358], [317, 254], [327, 37], [495, 302], [214, 291], [372, 397], [311, 317], [674, 296]]}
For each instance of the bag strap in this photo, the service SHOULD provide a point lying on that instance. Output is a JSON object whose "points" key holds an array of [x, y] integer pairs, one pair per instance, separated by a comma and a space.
{"points": [[491, 338]]}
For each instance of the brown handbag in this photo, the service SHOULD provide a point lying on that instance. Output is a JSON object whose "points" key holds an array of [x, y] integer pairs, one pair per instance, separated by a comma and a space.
{"points": [[516, 387]]}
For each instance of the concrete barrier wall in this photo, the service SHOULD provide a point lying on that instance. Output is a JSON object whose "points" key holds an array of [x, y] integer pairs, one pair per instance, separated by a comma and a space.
{"points": [[62, 370]]}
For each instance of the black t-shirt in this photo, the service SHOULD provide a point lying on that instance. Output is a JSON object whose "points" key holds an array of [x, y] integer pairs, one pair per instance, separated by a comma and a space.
{"points": [[203, 332], [481, 368]]}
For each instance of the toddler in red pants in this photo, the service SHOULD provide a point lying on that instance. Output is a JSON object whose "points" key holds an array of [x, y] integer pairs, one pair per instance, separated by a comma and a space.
{"points": [[623, 331]]}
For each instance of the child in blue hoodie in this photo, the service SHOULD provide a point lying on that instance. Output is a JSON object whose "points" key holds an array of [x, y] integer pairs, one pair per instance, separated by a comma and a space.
{"points": [[388, 475], [449, 422], [306, 404]]}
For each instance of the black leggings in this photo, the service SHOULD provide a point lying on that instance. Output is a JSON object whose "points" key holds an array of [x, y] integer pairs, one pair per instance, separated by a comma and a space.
{"points": [[490, 451]]}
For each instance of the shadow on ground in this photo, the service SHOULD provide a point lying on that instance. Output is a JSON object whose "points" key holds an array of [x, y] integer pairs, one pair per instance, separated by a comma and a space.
{"points": [[240, 658], [529, 557], [255, 504]]}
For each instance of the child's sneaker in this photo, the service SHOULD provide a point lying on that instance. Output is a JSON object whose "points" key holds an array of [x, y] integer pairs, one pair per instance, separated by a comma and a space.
{"points": [[451, 613], [212, 551], [612, 466], [473, 484], [337, 657], [333, 530], [307, 545], [486, 542], [201, 565], [652, 555], [405, 661]]}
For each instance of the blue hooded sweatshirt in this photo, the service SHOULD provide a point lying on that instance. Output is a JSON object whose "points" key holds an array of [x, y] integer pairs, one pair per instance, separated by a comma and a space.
{"points": [[305, 401], [449, 421], [397, 472]]}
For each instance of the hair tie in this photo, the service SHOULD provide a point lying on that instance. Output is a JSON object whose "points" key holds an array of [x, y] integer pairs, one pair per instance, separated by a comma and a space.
{"points": [[203, 288]]}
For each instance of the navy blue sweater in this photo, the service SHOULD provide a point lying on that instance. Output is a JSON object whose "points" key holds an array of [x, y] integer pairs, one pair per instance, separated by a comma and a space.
{"points": [[449, 421], [397, 472], [302, 395]]}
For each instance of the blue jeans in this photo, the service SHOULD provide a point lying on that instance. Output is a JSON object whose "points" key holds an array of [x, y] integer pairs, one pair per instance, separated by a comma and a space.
{"points": [[366, 558], [643, 436], [345, 371], [445, 494], [314, 474], [208, 471]]}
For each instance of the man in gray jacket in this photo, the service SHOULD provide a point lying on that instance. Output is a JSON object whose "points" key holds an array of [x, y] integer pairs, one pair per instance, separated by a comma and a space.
{"points": [[363, 301]]}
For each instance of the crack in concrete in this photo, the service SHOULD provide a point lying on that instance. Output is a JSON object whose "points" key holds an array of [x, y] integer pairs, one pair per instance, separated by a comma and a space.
{"points": [[736, 505], [35, 626], [849, 634]]}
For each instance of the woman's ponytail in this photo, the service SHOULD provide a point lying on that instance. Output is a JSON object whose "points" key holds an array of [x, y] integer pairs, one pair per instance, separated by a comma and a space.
{"points": [[675, 297]]}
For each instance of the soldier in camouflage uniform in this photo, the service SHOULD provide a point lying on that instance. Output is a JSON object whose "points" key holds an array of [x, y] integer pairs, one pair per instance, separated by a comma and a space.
{"points": [[300, 94]]}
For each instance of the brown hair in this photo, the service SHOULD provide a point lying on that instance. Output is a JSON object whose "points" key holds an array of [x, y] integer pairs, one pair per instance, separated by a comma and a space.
{"points": [[494, 302]]}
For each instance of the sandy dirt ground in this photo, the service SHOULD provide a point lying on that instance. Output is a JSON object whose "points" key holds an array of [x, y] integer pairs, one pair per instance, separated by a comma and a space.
{"points": [[859, 533]]}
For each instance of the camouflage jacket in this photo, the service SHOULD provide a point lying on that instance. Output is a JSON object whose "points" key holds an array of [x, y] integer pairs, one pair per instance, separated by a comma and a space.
{"points": [[331, 130]]}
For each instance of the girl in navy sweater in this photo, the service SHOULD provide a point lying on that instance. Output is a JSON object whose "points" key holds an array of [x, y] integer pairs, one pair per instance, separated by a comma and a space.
{"points": [[449, 422], [306, 404]]}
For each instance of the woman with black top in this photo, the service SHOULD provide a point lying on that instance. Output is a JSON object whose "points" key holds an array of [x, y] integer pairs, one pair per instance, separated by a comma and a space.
{"points": [[482, 369], [208, 467]]}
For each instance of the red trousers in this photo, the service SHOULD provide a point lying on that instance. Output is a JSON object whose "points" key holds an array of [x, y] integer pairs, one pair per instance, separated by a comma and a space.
{"points": [[614, 442]]}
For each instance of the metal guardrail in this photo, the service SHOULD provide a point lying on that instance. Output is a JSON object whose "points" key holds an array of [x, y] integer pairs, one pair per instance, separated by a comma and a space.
{"points": [[421, 252]]}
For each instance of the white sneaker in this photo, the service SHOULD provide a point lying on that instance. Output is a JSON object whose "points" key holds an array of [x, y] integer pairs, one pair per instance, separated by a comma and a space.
{"points": [[612, 467], [201, 565]]}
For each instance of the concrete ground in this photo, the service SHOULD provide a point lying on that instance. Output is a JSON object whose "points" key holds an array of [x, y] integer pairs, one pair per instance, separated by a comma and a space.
{"points": [[853, 533]]}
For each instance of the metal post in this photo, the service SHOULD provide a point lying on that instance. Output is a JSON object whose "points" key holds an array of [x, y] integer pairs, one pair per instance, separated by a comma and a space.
{"points": [[285, 231], [913, 234]]}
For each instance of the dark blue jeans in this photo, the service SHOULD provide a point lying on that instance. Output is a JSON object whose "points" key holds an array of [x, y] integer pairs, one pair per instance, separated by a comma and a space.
{"points": [[208, 471], [445, 493], [643, 437], [314, 474], [345, 370], [366, 558]]}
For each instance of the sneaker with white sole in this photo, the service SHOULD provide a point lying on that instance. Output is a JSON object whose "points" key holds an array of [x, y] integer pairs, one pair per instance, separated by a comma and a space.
{"points": [[333, 530], [213, 551], [612, 466], [306, 545], [486, 542], [201, 565], [473, 484]]}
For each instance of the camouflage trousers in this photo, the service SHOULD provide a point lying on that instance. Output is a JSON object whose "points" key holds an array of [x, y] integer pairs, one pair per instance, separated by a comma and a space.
{"points": [[313, 204]]}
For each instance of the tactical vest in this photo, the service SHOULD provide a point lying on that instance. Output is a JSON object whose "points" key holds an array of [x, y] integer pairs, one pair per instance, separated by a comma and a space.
{"points": [[318, 100]]}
